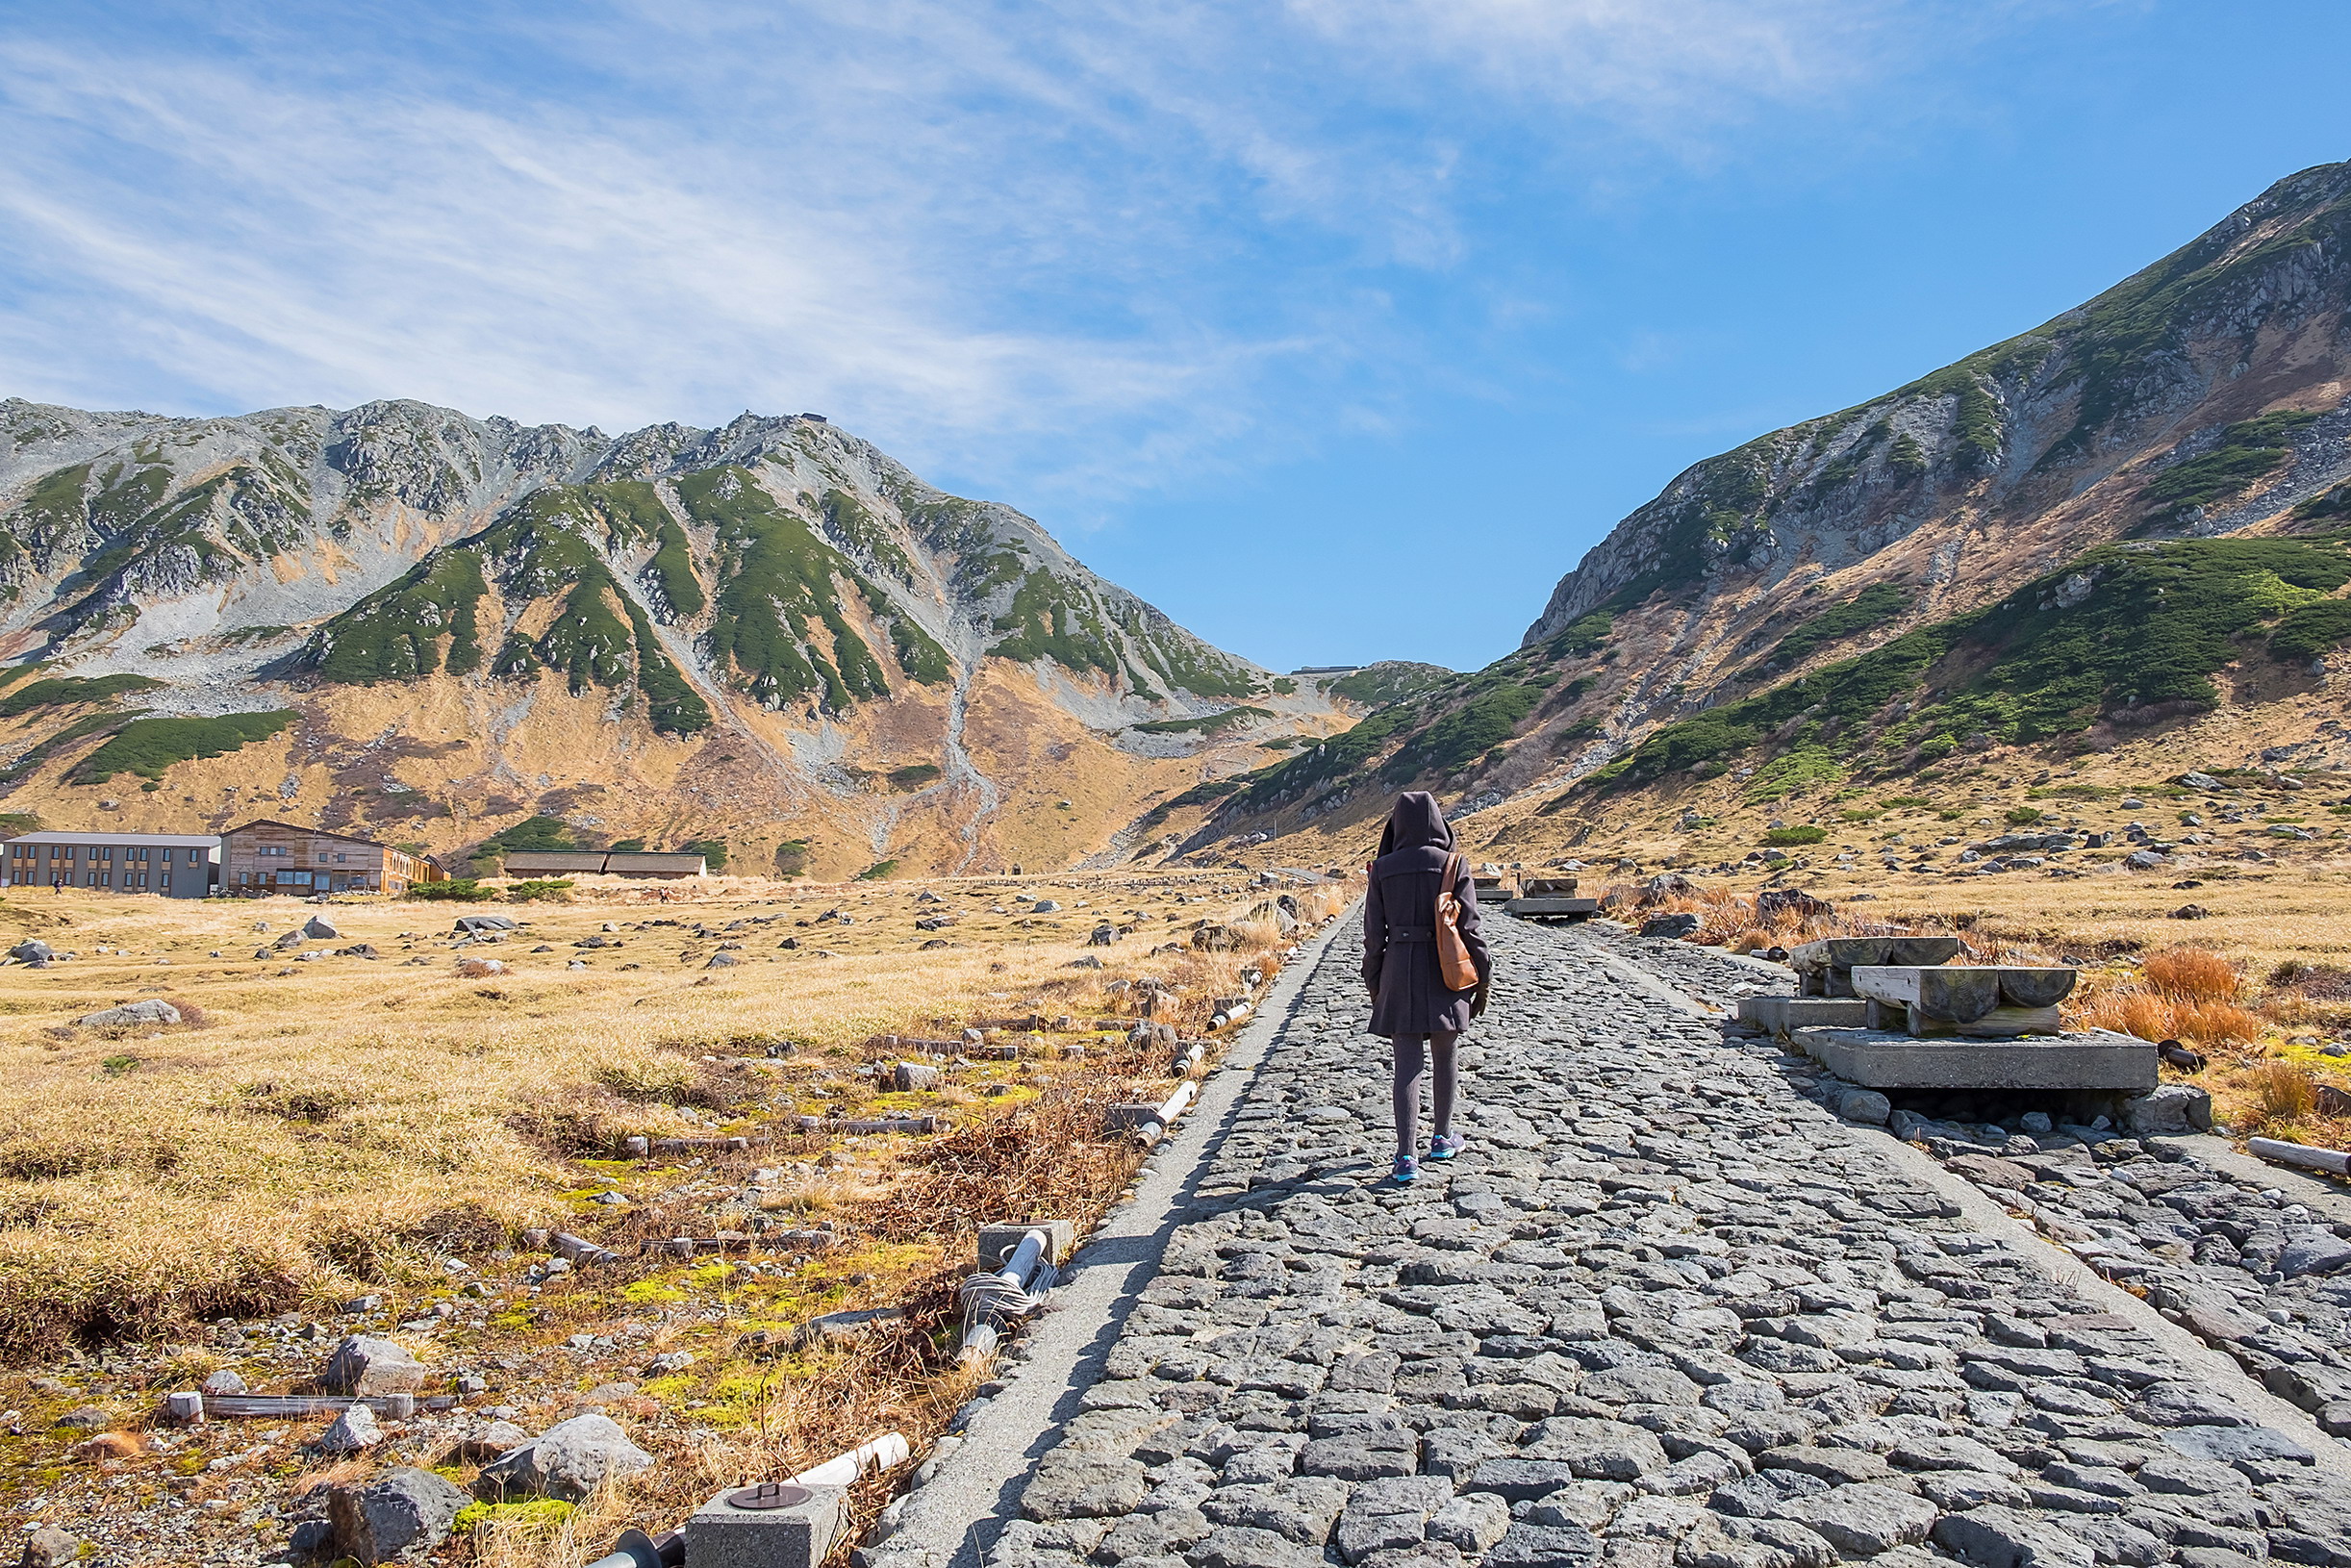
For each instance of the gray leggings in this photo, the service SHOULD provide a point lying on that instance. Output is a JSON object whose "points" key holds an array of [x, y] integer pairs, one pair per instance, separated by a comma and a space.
{"points": [[1411, 1064]]}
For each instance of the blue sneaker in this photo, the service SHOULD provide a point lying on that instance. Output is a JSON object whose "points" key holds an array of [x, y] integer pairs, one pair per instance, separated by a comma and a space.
{"points": [[1407, 1171], [1445, 1146]]}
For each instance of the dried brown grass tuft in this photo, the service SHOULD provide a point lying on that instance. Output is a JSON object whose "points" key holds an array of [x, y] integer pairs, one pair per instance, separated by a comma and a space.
{"points": [[2192, 975], [2282, 1091]]}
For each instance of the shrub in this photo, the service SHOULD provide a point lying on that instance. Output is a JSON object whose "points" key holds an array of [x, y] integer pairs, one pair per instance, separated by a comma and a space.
{"points": [[2282, 1091], [2192, 975], [1784, 836], [554, 889], [148, 747], [876, 871], [2023, 816], [457, 890]]}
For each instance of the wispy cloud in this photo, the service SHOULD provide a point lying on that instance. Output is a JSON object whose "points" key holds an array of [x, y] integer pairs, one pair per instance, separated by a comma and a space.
{"points": [[1080, 244]]}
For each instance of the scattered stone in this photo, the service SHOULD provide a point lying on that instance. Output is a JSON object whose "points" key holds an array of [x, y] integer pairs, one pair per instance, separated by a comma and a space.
{"points": [[318, 929], [566, 1462], [1674, 926], [49, 1546], [354, 1431], [394, 1511], [368, 1367], [1866, 1105], [149, 1010]]}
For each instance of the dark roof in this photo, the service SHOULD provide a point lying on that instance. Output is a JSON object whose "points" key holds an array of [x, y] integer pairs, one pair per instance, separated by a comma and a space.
{"points": [[296, 828], [624, 861], [553, 860]]}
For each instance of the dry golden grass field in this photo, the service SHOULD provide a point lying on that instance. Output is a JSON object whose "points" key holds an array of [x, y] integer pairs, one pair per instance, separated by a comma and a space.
{"points": [[345, 1119]]}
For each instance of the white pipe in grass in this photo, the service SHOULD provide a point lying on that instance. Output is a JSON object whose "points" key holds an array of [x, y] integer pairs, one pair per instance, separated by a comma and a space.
{"points": [[884, 1453], [1010, 1292]]}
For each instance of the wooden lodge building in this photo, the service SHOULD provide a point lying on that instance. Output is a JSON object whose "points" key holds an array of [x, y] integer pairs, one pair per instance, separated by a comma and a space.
{"points": [[263, 857]]}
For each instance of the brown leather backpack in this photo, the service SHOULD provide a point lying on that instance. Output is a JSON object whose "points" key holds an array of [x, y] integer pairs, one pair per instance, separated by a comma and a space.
{"points": [[1454, 966]]}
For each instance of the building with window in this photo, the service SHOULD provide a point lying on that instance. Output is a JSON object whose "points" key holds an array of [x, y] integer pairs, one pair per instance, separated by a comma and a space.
{"points": [[263, 857], [172, 865]]}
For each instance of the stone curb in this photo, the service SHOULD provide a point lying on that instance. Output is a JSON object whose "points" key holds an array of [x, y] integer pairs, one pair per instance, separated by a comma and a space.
{"points": [[953, 1519]]}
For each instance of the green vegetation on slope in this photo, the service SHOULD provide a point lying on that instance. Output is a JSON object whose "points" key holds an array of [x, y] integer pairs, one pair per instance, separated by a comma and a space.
{"points": [[60, 690], [1391, 680], [2158, 622], [2249, 450], [1206, 724], [542, 547], [779, 577], [1872, 606], [148, 747]]}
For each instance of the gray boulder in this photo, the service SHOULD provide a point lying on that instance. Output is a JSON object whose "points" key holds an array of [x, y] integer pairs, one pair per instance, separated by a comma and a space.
{"points": [[369, 1367], [914, 1076], [32, 952], [149, 1010], [1045, 906], [224, 1383], [2168, 1109], [291, 939], [566, 1462], [1864, 1105], [319, 928], [468, 924], [397, 1510], [1676, 926]]}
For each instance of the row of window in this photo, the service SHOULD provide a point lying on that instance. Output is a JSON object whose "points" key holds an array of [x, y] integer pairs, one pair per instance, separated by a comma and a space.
{"points": [[67, 877], [303, 879], [136, 854], [281, 851]]}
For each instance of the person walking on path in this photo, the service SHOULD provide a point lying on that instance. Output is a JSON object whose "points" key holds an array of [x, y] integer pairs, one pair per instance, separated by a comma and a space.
{"points": [[1411, 1004]]}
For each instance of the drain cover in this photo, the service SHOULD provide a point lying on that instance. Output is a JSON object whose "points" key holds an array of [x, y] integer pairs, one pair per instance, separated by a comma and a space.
{"points": [[769, 1494]]}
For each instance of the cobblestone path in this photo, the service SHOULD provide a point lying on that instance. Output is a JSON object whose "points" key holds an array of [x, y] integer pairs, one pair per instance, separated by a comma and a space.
{"points": [[1665, 1310]]}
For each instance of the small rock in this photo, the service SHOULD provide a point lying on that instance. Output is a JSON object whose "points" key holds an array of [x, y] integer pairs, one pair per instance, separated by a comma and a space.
{"points": [[223, 1383], [354, 1431], [369, 1367], [319, 928], [50, 1547], [1866, 1105], [1675, 927], [151, 1010], [1045, 906], [88, 1418], [668, 1363], [567, 1461], [910, 1078]]}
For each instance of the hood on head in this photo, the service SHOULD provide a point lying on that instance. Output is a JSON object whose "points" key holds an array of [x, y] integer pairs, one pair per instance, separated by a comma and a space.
{"points": [[1416, 822]]}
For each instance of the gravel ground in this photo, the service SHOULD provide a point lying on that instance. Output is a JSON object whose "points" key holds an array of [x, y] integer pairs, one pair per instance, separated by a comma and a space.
{"points": [[1666, 1310]]}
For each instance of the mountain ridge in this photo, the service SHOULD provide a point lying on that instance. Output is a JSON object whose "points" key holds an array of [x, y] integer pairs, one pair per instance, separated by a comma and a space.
{"points": [[775, 579], [2201, 398]]}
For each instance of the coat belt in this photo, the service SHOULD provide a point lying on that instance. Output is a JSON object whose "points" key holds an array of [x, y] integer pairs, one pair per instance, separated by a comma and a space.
{"points": [[1412, 933]]}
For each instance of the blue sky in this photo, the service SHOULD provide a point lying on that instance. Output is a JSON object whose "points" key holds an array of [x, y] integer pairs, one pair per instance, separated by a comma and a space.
{"points": [[1338, 328]]}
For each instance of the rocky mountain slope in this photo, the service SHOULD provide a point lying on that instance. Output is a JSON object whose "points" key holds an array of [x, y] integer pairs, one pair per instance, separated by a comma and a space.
{"points": [[401, 619], [2092, 533]]}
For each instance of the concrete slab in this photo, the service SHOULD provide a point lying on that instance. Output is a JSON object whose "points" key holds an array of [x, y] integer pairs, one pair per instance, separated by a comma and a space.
{"points": [[1550, 907], [2094, 1059], [1780, 1015]]}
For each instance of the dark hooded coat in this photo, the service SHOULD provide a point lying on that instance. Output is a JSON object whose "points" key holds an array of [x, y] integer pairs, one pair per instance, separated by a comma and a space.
{"points": [[1400, 951]]}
